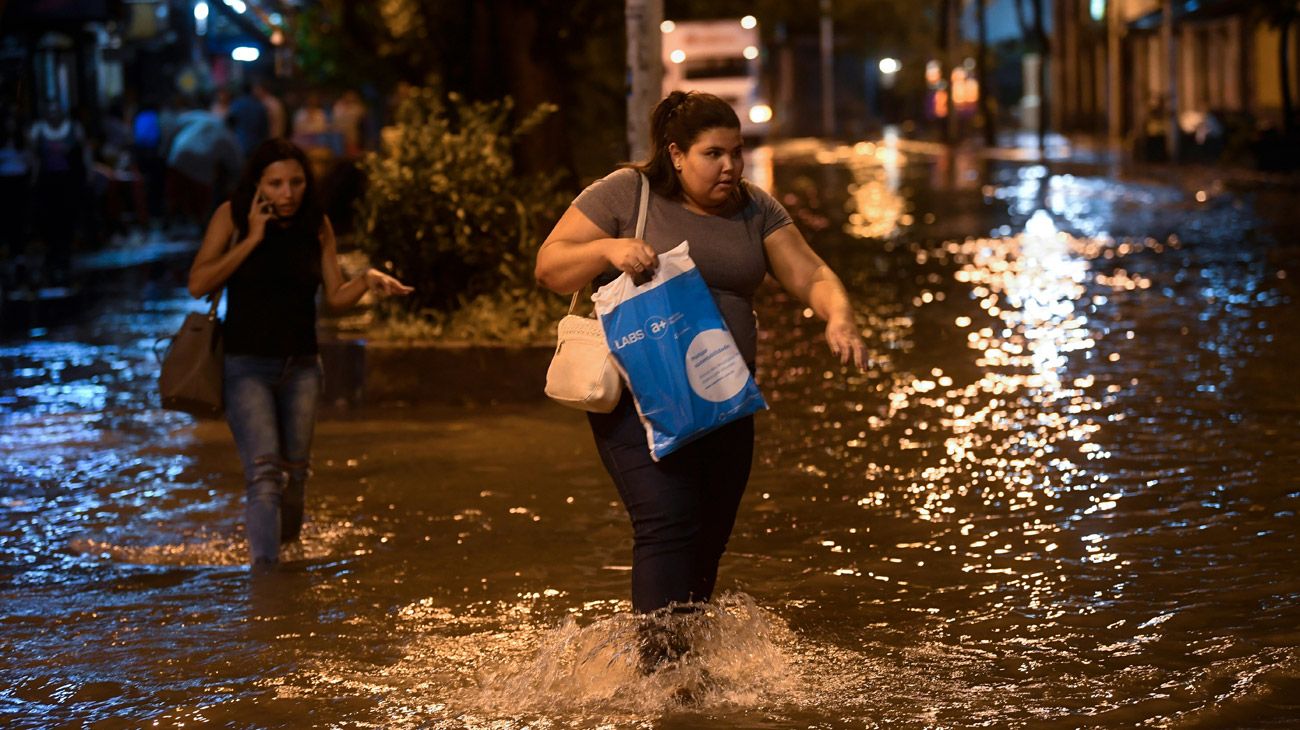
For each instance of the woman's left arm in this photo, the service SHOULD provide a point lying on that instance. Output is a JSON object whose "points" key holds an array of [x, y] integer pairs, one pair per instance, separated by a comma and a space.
{"points": [[803, 273], [340, 294]]}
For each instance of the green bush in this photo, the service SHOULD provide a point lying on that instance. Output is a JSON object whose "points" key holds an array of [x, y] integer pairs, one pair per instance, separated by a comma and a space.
{"points": [[445, 212]]}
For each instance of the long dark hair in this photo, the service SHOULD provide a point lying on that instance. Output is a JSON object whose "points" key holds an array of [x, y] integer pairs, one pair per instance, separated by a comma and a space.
{"points": [[679, 119], [309, 216]]}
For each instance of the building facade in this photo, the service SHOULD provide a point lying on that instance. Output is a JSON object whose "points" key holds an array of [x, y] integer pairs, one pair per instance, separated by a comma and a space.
{"points": [[1122, 74]]}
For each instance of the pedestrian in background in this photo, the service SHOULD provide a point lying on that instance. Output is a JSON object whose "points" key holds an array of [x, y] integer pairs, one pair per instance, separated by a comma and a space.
{"points": [[62, 166], [683, 507], [116, 179], [272, 249], [15, 179], [314, 132], [276, 121], [247, 117], [169, 121], [146, 139], [203, 162], [311, 118], [220, 106], [349, 117]]}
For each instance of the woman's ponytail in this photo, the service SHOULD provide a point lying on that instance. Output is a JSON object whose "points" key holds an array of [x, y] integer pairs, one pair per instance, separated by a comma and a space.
{"points": [[662, 113]]}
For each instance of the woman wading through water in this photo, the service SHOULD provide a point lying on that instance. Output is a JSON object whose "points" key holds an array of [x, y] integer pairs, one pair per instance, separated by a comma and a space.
{"points": [[272, 248], [683, 507]]}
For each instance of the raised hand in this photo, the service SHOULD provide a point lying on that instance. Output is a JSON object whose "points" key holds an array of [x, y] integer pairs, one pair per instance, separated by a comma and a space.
{"points": [[259, 213], [384, 285]]}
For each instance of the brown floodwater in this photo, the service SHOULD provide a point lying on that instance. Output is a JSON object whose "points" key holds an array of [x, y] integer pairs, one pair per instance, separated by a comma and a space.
{"points": [[1063, 494]]}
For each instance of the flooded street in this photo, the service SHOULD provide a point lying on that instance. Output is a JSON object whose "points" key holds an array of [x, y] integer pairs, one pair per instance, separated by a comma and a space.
{"points": [[1062, 495]]}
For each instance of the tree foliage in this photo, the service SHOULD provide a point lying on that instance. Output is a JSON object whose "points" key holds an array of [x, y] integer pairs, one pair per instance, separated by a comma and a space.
{"points": [[563, 52], [447, 212]]}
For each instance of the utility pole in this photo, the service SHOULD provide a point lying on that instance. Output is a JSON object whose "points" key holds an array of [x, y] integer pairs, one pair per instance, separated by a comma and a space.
{"points": [[828, 69], [1114, 72], [1044, 49], [1171, 92], [952, 32], [644, 70], [982, 76]]}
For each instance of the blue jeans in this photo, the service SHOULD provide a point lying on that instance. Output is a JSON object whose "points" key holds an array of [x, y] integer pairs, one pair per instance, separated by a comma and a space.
{"points": [[271, 409], [682, 507]]}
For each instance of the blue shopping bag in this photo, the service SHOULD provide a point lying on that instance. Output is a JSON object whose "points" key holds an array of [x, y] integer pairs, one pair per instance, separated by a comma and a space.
{"points": [[686, 375]]}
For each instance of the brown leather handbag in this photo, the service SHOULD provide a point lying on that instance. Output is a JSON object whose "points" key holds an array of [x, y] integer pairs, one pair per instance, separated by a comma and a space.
{"points": [[190, 378]]}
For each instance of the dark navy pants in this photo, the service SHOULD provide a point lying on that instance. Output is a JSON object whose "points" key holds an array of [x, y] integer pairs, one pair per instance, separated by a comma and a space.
{"points": [[682, 507]]}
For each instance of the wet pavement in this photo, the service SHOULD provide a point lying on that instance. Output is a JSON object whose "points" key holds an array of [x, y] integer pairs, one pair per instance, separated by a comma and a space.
{"points": [[1062, 495]]}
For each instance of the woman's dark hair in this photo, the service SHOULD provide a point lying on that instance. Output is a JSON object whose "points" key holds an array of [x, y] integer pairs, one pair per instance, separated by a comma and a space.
{"points": [[679, 119], [309, 216]]}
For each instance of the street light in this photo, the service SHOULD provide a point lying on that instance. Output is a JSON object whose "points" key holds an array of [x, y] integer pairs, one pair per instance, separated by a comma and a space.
{"points": [[889, 68], [247, 54], [201, 10]]}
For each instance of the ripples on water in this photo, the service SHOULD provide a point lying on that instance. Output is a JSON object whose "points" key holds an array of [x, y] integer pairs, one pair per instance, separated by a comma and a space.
{"points": [[1062, 495]]}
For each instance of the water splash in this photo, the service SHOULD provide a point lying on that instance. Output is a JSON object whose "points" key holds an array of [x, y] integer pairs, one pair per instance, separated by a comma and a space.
{"points": [[731, 654], [498, 666]]}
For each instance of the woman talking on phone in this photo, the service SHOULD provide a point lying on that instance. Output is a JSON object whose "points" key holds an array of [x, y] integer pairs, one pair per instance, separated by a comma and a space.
{"points": [[272, 248]]}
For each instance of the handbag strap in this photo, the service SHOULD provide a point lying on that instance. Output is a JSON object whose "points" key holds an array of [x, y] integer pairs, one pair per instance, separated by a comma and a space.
{"points": [[642, 206], [216, 295], [216, 301]]}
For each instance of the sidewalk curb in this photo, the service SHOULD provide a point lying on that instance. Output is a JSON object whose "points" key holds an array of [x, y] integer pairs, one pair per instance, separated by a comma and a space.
{"points": [[360, 372]]}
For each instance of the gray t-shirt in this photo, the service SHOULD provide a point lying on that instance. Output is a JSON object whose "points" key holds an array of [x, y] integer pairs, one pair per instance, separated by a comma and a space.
{"points": [[728, 251]]}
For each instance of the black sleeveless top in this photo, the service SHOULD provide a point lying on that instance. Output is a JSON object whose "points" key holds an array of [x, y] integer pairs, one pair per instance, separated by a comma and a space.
{"points": [[271, 305]]}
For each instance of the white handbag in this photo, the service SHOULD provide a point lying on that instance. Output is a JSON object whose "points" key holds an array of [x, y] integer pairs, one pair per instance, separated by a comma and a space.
{"points": [[583, 373]]}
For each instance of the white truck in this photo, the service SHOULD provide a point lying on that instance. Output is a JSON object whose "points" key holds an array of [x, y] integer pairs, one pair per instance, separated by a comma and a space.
{"points": [[719, 57]]}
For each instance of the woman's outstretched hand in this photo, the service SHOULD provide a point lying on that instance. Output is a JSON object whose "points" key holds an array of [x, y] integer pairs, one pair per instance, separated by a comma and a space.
{"points": [[845, 341], [385, 285]]}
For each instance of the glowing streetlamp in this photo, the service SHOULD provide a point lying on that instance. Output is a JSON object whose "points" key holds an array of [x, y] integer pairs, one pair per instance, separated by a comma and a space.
{"points": [[201, 11]]}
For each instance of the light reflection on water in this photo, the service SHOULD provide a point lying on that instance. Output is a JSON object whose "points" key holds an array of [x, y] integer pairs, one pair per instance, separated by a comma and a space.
{"points": [[1029, 494], [1062, 494]]}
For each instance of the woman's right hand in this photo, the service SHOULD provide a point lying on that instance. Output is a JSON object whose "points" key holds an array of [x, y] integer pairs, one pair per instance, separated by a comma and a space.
{"points": [[258, 214], [631, 255]]}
